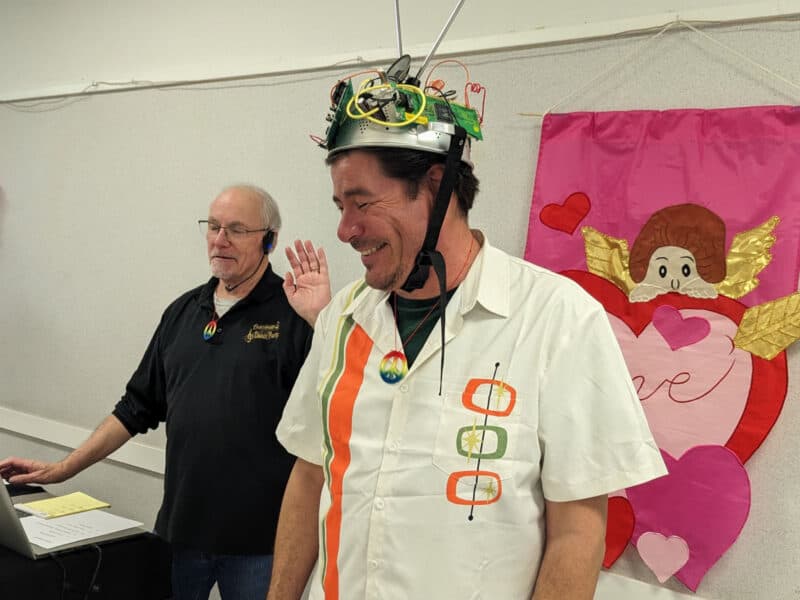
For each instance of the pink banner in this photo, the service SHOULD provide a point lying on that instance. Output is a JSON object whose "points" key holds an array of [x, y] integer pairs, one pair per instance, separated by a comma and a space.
{"points": [[685, 225]]}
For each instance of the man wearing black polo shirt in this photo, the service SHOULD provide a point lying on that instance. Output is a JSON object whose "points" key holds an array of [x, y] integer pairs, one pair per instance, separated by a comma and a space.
{"points": [[218, 371]]}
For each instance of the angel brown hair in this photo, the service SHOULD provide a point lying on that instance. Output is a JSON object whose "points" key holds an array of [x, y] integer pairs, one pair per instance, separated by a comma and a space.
{"points": [[689, 226]]}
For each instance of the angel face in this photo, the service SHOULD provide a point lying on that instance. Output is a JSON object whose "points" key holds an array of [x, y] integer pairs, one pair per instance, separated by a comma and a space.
{"points": [[672, 269]]}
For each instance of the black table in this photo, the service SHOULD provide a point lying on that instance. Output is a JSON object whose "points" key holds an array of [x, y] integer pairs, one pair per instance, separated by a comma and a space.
{"points": [[135, 568]]}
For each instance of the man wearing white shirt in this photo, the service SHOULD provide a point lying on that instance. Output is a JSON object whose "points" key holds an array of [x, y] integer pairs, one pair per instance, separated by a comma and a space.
{"points": [[464, 452]]}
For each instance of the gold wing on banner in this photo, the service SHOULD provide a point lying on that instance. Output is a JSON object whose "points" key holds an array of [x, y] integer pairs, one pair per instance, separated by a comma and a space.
{"points": [[748, 256], [608, 257], [767, 329]]}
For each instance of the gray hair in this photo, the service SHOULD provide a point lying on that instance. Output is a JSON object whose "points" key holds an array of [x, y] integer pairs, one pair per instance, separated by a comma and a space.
{"points": [[270, 214]]}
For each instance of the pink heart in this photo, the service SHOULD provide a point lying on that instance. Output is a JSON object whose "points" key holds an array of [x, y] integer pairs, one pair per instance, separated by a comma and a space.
{"points": [[664, 555], [692, 396], [704, 500], [677, 331]]}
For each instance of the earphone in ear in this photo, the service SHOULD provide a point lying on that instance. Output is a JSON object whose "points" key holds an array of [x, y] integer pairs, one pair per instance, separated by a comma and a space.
{"points": [[269, 239]]}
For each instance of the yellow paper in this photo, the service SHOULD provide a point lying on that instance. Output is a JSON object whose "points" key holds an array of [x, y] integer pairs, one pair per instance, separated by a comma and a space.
{"points": [[62, 505]]}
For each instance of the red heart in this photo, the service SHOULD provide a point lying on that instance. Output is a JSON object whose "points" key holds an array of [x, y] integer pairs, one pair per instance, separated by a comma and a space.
{"points": [[769, 380], [567, 216], [618, 530]]}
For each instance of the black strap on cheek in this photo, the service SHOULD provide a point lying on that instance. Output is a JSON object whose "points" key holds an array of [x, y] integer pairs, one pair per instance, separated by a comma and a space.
{"points": [[436, 260], [419, 274]]}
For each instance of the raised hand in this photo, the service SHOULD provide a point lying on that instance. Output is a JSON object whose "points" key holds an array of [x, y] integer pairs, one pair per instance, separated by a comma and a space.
{"points": [[307, 285]]}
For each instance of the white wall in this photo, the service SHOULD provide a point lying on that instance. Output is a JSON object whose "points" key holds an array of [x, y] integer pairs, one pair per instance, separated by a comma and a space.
{"points": [[98, 197], [59, 46]]}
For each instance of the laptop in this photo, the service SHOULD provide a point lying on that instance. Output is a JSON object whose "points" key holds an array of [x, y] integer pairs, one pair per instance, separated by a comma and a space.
{"points": [[13, 536]]}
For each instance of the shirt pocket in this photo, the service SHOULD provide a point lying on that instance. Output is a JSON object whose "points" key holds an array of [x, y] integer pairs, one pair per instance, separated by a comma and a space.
{"points": [[477, 440]]}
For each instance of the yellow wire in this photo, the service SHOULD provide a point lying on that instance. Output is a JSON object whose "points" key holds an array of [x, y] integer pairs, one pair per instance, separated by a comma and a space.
{"points": [[361, 114], [368, 115]]}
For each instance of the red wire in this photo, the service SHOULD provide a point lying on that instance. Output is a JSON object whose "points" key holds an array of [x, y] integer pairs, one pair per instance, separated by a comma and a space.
{"points": [[475, 88]]}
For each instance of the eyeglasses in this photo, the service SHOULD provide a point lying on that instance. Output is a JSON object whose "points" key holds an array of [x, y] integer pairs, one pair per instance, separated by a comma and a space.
{"points": [[232, 232]]}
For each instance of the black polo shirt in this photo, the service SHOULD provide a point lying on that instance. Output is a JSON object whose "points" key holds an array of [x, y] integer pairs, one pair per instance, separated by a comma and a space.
{"points": [[221, 400]]}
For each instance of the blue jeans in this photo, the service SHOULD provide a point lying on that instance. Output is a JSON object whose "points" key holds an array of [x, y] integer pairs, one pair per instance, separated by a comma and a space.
{"points": [[244, 577]]}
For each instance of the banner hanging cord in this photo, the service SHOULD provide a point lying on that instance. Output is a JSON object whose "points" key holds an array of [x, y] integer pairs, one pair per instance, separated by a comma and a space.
{"points": [[645, 44]]}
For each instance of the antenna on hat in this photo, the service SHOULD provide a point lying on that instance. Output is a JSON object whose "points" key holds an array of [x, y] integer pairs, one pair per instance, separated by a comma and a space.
{"points": [[391, 109], [415, 80], [397, 26]]}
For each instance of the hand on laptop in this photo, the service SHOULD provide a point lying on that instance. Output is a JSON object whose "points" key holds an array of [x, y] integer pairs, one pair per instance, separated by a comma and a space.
{"points": [[23, 470]]}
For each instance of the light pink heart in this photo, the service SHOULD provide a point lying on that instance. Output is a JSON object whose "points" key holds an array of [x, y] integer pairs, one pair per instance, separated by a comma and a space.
{"points": [[664, 555], [677, 331], [704, 408]]}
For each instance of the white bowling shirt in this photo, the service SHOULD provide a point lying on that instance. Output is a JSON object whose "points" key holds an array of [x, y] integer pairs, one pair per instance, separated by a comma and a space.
{"points": [[440, 497]]}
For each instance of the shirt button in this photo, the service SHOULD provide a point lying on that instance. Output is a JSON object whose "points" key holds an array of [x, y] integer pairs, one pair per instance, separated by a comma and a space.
{"points": [[404, 388], [373, 564], [379, 504], [394, 446]]}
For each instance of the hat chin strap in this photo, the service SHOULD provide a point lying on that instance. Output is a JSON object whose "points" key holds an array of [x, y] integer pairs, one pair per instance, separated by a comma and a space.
{"points": [[428, 256]]}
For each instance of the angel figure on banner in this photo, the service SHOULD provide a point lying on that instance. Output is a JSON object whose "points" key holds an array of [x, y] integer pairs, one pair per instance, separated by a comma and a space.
{"points": [[711, 374]]}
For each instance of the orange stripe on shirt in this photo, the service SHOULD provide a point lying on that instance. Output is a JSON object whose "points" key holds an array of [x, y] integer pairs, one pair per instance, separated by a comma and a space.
{"points": [[340, 423]]}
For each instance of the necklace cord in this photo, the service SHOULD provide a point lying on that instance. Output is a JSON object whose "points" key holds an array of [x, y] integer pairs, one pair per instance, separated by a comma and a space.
{"points": [[436, 305]]}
